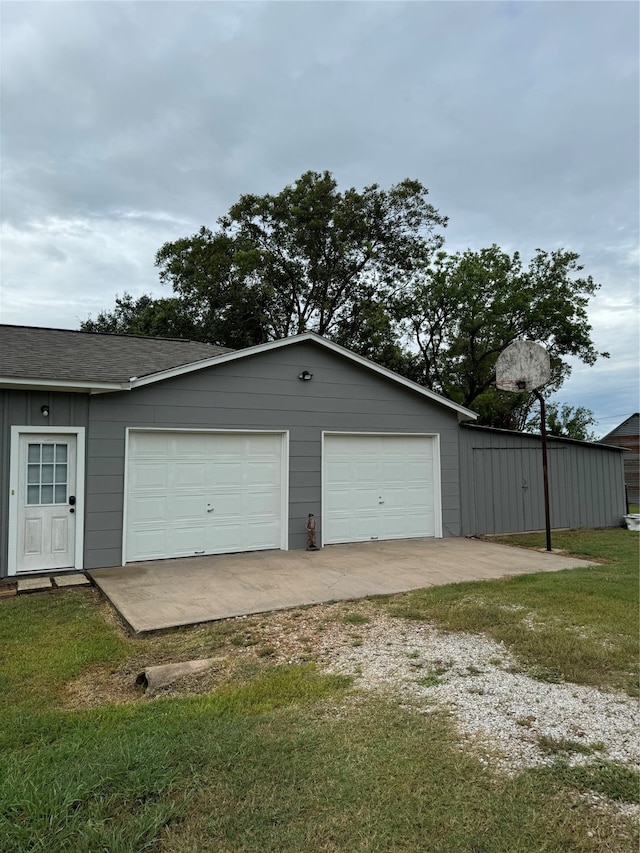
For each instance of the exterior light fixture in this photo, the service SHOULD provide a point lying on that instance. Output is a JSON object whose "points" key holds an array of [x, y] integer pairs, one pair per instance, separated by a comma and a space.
{"points": [[45, 410], [305, 376]]}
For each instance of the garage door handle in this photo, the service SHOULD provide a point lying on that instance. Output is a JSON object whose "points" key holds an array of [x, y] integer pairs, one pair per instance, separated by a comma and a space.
{"points": [[209, 508]]}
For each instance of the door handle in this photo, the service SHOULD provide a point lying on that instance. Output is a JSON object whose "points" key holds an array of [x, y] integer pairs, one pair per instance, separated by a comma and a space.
{"points": [[210, 508]]}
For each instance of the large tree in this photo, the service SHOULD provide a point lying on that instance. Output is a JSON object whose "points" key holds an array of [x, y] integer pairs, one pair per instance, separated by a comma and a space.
{"points": [[310, 258], [467, 307], [566, 421], [367, 270]]}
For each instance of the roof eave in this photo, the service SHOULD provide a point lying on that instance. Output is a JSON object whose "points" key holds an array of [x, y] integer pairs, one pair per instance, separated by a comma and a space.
{"points": [[68, 385]]}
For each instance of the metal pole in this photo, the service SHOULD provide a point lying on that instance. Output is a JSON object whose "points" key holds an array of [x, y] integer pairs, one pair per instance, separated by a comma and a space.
{"points": [[545, 471]]}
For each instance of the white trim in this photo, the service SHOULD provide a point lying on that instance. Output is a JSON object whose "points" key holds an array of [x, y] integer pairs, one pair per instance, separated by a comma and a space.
{"points": [[283, 342], [14, 475], [284, 462], [62, 385], [437, 471]]}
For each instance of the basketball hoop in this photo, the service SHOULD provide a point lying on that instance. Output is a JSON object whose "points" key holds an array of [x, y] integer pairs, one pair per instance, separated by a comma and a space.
{"points": [[526, 366]]}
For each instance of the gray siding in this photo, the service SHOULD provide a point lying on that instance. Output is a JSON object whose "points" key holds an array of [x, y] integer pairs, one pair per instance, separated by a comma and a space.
{"points": [[261, 392], [22, 408], [502, 483]]}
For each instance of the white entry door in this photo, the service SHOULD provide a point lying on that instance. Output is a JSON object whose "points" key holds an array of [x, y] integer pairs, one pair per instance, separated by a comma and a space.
{"points": [[380, 487], [191, 493], [46, 523]]}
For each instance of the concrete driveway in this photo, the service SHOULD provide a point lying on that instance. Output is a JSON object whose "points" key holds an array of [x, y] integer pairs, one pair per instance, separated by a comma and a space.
{"points": [[165, 594]]}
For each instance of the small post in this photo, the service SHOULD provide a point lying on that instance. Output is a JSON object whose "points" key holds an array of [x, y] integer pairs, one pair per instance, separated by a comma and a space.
{"points": [[311, 533], [545, 470]]}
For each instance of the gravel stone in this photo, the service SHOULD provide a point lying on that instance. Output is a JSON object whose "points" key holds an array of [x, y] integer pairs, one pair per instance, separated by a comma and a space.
{"points": [[495, 706]]}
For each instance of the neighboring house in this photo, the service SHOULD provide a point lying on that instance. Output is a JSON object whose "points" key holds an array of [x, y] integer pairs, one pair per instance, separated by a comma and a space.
{"points": [[117, 449], [627, 436]]}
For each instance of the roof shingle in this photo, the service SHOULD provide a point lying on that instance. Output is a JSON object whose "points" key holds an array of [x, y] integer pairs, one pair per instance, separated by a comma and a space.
{"points": [[29, 352]]}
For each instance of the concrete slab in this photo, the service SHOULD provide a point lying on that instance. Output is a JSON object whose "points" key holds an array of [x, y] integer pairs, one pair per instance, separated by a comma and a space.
{"points": [[164, 594], [71, 580], [33, 584]]}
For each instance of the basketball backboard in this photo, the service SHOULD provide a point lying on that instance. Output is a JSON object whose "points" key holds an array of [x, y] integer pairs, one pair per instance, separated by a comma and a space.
{"points": [[523, 366]]}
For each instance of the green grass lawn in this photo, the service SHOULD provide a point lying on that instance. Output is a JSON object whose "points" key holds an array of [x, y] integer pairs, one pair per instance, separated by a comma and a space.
{"points": [[286, 758]]}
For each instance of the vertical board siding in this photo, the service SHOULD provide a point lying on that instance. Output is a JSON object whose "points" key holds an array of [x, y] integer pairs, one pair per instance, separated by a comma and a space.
{"points": [[502, 483]]}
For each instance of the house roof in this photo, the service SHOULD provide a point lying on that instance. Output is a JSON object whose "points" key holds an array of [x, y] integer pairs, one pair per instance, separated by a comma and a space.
{"points": [[61, 359], [628, 428], [535, 436], [69, 358]]}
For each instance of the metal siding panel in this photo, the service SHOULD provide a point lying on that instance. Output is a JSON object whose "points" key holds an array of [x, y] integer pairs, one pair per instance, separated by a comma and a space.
{"points": [[585, 483]]}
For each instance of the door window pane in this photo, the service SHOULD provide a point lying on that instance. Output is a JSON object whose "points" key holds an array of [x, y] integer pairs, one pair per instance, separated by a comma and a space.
{"points": [[47, 473]]}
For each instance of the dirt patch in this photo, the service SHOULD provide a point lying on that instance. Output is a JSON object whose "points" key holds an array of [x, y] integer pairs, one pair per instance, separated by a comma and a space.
{"points": [[240, 646]]}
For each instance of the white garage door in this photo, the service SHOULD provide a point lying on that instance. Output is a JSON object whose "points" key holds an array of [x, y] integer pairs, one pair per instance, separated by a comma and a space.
{"points": [[379, 487], [203, 493]]}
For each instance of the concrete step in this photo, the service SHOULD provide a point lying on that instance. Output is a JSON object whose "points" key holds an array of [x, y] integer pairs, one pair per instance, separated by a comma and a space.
{"points": [[75, 579], [33, 585]]}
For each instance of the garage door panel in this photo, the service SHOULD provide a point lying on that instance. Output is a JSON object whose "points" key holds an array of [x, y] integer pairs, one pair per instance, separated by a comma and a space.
{"points": [[156, 445], [210, 493], [150, 541], [185, 506], [347, 528], [223, 474], [364, 472], [149, 475], [188, 475], [186, 445], [149, 508], [378, 487], [337, 501], [262, 503], [395, 526], [261, 533], [186, 537]]}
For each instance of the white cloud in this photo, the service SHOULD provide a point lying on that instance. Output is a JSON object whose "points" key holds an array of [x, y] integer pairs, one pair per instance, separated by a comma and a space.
{"points": [[129, 124]]}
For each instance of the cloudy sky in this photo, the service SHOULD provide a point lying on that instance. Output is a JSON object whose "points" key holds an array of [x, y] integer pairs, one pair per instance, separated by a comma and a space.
{"points": [[128, 124]]}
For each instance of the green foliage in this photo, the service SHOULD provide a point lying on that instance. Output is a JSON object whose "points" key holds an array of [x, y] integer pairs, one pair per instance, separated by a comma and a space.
{"points": [[467, 307], [308, 258], [365, 269], [566, 421]]}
